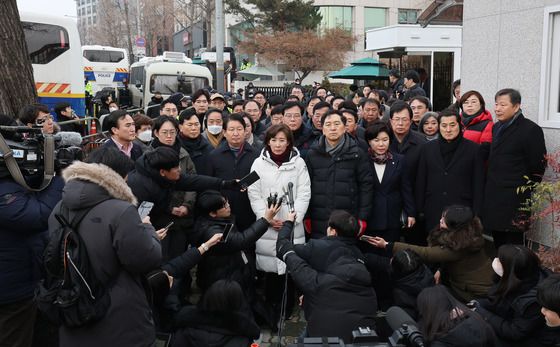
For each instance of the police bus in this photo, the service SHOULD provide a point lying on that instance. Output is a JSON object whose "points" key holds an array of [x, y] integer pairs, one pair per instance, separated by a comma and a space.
{"points": [[105, 66], [54, 48], [169, 73]]}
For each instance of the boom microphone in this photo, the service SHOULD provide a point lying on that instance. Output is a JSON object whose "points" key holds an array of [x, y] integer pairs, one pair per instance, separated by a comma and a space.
{"points": [[291, 196], [400, 321], [68, 138]]}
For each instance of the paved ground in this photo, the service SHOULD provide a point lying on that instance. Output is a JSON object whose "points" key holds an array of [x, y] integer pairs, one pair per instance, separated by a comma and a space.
{"points": [[292, 329]]}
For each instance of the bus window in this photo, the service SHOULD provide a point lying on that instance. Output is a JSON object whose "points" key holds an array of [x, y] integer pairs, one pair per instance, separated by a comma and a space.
{"points": [[103, 56], [45, 42], [169, 84]]}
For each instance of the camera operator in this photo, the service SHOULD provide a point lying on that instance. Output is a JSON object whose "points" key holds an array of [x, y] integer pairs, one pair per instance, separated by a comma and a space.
{"points": [[338, 298], [37, 116], [23, 235]]}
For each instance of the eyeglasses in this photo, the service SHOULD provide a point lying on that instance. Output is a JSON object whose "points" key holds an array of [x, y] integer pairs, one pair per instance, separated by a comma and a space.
{"points": [[168, 132], [292, 115], [42, 120], [401, 120]]}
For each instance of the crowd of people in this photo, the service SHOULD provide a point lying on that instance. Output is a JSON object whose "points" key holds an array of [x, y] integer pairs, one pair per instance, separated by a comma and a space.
{"points": [[362, 202]]}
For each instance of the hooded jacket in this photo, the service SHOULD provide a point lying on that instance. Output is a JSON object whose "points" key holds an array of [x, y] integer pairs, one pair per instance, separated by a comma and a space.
{"points": [[148, 185], [337, 299], [407, 288], [470, 332], [273, 179], [121, 249], [342, 181], [197, 327]]}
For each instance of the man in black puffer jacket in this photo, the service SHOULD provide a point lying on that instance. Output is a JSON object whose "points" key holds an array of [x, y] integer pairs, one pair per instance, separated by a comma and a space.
{"points": [[340, 176], [157, 174], [338, 298]]}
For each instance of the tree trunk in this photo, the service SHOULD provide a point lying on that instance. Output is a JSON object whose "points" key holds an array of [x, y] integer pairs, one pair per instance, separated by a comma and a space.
{"points": [[209, 15], [17, 86], [128, 32]]}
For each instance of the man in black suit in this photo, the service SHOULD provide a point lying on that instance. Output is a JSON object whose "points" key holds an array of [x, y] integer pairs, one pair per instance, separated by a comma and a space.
{"points": [[517, 152], [123, 132]]}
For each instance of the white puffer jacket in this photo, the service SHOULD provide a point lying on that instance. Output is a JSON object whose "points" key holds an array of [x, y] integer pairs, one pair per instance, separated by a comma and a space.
{"points": [[272, 180]]}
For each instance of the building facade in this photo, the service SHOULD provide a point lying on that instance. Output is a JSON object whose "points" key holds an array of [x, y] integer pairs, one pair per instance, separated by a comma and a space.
{"points": [[359, 16], [87, 19]]}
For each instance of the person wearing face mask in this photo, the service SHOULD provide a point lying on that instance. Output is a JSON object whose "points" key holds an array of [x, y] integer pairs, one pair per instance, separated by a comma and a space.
{"points": [[450, 171], [143, 126], [512, 308], [214, 127], [457, 245]]}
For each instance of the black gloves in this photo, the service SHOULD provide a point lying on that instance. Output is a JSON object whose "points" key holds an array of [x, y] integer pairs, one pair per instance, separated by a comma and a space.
{"points": [[231, 185], [284, 245]]}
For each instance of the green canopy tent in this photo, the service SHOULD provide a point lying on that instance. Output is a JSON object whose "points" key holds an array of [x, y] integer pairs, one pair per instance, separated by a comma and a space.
{"points": [[363, 69]]}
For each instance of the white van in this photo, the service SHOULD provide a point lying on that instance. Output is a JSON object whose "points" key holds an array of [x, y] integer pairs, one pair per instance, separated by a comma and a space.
{"points": [[168, 74]]}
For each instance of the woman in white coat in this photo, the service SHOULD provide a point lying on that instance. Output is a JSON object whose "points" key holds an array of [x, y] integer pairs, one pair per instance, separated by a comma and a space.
{"points": [[278, 165]]}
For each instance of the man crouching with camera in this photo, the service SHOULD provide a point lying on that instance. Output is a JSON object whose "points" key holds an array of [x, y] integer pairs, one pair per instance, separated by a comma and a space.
{"points": [[24, 217]]}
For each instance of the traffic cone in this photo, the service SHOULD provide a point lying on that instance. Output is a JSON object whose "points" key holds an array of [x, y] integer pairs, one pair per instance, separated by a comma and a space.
{"points": [[93, 128]]}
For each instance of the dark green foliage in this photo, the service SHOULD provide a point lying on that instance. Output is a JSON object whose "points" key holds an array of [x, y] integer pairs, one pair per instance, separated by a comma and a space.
{"points": [[278, 15]]}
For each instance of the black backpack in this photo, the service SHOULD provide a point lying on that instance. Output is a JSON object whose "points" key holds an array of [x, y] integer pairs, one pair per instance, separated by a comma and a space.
{"points": [[70, 294]]}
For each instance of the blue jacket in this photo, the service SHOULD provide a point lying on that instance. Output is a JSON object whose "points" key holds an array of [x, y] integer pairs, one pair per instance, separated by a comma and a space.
{"points": [[23, 235]]}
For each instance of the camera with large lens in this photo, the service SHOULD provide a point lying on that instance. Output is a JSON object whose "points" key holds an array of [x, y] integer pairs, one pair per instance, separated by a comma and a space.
{"points": [[28, 146]]}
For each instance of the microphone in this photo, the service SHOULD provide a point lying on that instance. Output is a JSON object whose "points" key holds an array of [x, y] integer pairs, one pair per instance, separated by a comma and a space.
{"points": [[68, 138], [404, 327], [291, 196]]}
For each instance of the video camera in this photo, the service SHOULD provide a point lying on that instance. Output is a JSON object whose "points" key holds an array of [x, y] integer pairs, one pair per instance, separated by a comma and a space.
{"points": [[405, 334], [28, 146]]}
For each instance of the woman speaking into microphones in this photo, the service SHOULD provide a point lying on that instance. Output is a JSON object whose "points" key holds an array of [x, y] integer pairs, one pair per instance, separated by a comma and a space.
{"points": [[283, 175]]}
